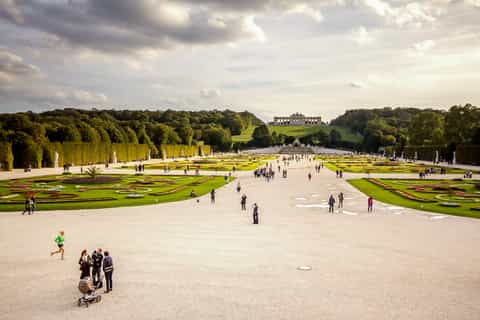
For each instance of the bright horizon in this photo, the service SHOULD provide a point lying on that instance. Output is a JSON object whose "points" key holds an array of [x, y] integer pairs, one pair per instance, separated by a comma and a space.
{"points": [[272, 58]]}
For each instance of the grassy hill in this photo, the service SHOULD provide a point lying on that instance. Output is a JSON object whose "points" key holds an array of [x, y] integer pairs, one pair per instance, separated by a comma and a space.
{"points": [[300, 131]]}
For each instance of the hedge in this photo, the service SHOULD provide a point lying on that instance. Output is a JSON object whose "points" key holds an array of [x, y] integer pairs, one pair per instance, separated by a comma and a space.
{"points": [[468, 154], [426, 153], [168, 151], [6, 156]]}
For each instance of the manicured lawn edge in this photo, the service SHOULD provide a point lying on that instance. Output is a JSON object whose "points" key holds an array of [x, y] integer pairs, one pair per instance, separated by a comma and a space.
{"points": [[385, 196]]}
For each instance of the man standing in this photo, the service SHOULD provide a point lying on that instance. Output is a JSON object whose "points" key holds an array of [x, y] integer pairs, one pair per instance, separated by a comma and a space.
{"points": [[59, 240], [331, 204], [340, 200], [255, 213], [212, 196], [243, 202], [97, 258], [108, 270], [309, 176]]}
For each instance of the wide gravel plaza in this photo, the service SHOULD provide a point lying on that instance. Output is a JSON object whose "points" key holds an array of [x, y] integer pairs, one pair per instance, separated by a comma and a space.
{"points": [[190, 260]]}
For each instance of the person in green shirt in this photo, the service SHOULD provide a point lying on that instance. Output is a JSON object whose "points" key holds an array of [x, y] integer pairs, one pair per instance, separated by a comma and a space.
{"points": [[59, 240]]}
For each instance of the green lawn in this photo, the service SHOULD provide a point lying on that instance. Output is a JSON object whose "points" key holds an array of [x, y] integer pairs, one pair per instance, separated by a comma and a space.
{"points": [[56, 193], [362, 164], [426, 195], [298, 132]]}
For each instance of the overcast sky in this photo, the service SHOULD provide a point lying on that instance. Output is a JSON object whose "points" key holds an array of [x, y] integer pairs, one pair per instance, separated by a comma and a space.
{"points": [[271, 57]]}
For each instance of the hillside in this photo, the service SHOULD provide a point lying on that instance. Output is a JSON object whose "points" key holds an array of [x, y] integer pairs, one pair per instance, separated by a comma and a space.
{"points": [[300, 131]]}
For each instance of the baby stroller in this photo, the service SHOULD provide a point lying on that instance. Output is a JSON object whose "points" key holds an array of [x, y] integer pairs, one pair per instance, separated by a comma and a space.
{"points": [[86, 287]]}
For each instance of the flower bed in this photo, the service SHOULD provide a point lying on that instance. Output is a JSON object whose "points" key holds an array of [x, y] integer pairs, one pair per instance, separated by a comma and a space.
{"points": [[97, 180]]}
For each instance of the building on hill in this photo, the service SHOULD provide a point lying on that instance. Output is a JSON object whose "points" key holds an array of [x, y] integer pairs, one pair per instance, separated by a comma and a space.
{"points": [[296, 119]]}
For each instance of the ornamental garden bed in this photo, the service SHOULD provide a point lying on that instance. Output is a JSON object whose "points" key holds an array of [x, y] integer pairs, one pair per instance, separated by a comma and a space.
{"points": [[442, 196], [83, 192]]}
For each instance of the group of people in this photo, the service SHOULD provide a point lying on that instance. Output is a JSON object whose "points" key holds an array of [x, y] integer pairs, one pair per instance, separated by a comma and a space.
{"points": [[318, 167], [91, 267], [331, 202], [468, 175], [266, 172], [140, 167], [339, 173], [30, 205]]}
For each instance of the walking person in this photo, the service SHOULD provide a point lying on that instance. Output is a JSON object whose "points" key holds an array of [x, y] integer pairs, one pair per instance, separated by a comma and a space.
{"points": [[85, 263], [33, 204], [370, 204], [340, 200], [331, 204], [309, 176], [27, 206], [108, 270], [255, 213], [239, 187], [212, 196], [97, 259], [243, 202], [59, 240]]}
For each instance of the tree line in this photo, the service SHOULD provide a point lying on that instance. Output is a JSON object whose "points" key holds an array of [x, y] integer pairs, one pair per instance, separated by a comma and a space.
{"points": [[29, 134], [401, 127]]}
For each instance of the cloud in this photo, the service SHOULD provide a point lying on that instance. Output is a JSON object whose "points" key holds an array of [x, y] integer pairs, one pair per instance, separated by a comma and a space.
{"points": [[303, 8], [210, 93], [361, 36], [412, 13], [421, 48], [125, 26], [25, 83]]}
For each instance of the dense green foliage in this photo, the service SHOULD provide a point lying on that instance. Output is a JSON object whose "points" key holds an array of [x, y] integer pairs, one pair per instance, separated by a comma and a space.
{"points": [[397, 128], [34, 138]]}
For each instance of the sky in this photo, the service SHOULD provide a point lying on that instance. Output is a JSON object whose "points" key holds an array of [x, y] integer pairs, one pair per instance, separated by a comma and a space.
{"points": [[270, 57]]}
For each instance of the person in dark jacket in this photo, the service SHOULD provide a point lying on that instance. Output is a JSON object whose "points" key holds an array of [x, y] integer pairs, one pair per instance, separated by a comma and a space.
{"points": [[97, 259], [243, 202], [85, 263], [255, 213], [108, 270]]}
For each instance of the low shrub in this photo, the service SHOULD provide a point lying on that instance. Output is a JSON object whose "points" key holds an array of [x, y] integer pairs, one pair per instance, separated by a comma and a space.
{"points": [[97, 180]]}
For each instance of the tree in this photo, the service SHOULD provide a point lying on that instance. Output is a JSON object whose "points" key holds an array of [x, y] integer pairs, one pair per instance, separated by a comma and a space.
{"points": [[335, 137], [219, 138], [261, 137], [422, 127]]}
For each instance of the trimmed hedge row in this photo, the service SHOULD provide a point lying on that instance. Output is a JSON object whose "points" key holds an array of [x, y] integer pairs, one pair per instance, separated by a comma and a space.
{"points": [[468, 154], [90, 153], [168, 151], [426, 153], [6, 156]]}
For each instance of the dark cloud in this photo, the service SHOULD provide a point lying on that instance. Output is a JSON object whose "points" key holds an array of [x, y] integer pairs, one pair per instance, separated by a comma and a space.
{"points": [[117, 26], [12, 66]]}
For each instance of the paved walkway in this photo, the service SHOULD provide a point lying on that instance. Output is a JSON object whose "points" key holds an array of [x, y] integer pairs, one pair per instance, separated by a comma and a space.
{"points": [[191, 260]]}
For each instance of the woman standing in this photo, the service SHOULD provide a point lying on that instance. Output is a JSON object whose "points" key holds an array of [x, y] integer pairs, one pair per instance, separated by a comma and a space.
{"points": [[85, 263]]}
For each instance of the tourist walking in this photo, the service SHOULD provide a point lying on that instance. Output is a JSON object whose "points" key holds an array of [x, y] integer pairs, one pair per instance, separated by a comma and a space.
{"points": [[255, 213], [97, 259], [370, 204], [243, 202], [331, 204], [239, 187], [59, 240], [212, 196], [33, 204], [309, 176], [108, 270], [85, 263], [340, 200], [27, 207]]}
